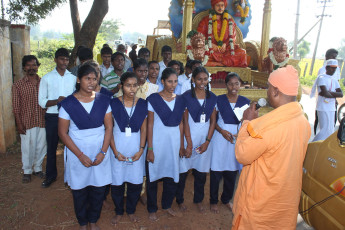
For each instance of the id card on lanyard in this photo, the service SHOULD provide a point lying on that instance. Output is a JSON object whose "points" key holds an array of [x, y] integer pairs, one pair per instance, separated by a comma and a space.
{"points": [[203, 115], [128, 129]]}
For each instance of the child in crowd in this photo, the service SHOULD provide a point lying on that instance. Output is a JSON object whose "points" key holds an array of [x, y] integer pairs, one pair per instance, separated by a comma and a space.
{"points": [[187, 83], [128, 145], [178, 67], [187, 72], [112, 80], [199, 124], [106, 66], [165, 143], [166, 53], [85, 127], [153, 72], [223, 161]]}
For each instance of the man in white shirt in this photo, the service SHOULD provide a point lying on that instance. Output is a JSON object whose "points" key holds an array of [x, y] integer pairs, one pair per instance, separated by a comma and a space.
{"points": [[106, 66], [54, 87], [166, 54], [329, 90], [330, 54]]}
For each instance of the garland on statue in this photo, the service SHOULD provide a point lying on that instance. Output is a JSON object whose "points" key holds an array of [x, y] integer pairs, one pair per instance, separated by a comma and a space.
{"points": [[273, 59], [213, 27], [189, 48], [244, 13]]}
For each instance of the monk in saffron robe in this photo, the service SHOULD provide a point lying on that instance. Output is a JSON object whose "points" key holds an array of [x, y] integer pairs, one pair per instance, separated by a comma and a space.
{"points": [[272, 150], [225, 50]]}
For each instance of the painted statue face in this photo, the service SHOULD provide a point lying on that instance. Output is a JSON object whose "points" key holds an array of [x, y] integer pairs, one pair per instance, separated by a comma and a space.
{"points": [[219, 7], [198, 42]]}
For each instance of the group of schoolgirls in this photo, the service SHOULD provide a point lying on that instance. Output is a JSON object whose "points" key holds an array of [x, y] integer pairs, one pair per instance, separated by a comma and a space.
{"points": [[118, 140]]}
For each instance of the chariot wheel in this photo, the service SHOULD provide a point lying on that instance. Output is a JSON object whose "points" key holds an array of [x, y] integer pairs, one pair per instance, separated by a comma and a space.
{"points": [[341, 112]]}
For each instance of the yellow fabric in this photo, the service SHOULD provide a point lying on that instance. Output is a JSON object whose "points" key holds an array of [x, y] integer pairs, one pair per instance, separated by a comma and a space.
{"points": [[272, 150]]}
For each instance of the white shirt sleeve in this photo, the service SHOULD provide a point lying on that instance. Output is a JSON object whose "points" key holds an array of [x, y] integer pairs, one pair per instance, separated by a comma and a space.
{"points": [[63, 114], [149, 107], [43, 92], [108, 110], [321, 82], [337, 85]]}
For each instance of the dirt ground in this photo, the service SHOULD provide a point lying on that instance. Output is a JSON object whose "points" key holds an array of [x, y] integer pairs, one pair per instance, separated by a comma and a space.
{"points": [[28, 206]]}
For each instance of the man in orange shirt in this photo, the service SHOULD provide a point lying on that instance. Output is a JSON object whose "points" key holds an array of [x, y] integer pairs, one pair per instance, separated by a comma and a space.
{"points": [[272, 150]]}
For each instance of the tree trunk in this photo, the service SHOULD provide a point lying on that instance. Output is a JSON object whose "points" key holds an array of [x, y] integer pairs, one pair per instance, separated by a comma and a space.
{"points": [[86, 34]]}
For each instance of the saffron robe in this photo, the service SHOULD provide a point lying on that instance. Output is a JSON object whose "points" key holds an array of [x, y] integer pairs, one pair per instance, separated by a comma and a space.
{"points": [[272, 150]]}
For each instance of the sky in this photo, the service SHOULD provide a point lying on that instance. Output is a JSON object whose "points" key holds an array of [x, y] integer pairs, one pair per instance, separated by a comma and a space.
{"points": [[142, 16]]}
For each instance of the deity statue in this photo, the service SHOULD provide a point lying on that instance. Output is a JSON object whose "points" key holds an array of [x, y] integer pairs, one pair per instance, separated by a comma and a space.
{"points": [[196, 48], [278, 55], [220, 30]]}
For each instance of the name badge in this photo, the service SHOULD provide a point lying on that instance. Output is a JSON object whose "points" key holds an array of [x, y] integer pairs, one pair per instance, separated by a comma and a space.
{"points": [[128, 131], [203, 118]]}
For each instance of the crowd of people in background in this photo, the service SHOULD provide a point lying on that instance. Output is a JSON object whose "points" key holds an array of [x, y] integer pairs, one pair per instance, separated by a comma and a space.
{"points": [[128, 123]]}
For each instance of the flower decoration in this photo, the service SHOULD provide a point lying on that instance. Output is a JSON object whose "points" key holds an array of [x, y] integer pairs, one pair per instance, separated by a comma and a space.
{"points": [[273, 59], [213, 27]]}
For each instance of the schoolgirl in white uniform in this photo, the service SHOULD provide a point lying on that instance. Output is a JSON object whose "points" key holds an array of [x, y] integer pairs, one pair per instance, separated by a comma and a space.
{"points": [[223, 162], [128, 143], [165, 143], [199, 124], [85, 127]]}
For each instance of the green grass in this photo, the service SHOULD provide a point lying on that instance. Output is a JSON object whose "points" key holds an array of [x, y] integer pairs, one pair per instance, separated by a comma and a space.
{"points": [[308, 80]]}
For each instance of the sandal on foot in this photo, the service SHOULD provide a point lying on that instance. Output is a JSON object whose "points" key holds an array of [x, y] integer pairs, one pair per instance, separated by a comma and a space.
{"points": [[26, 178]]}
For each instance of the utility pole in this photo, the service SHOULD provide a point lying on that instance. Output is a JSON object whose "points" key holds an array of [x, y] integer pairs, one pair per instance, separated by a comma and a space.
{"points": [[295, 42], [2, 10], [318, 35]]}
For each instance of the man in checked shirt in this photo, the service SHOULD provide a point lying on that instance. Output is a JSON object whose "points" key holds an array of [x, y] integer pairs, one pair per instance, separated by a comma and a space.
{"points": [[30, 119]]}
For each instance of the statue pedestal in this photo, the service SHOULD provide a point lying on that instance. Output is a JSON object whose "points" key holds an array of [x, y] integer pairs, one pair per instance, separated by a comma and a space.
{"points": [[244, 73]]}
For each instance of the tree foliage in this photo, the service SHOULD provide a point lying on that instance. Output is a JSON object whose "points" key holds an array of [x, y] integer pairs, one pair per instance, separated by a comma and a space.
{"points": [[303, 49], [110, 29], [31, 11]]}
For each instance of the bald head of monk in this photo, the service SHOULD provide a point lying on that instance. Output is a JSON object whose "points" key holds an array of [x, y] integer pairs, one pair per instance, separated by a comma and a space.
{"points": [[283, 86]]}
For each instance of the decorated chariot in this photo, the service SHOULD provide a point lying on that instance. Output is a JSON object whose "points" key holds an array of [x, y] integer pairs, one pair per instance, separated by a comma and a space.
{"points": [[213, 31]]}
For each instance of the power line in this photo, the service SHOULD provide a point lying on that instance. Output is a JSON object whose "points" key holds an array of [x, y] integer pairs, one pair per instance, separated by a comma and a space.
{"points": [[319, 32]]}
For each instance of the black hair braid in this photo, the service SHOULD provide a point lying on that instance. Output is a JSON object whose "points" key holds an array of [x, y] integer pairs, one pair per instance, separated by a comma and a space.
{"points": [[208, 91], [192, 88]]}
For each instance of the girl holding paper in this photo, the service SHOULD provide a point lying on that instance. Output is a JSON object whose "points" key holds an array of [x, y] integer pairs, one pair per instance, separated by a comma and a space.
{"points": [[223, 162], [199, 124]]}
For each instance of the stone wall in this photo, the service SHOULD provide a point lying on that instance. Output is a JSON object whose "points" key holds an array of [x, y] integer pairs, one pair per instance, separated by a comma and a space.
{"points": [[7, 123], [20, 39]]}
